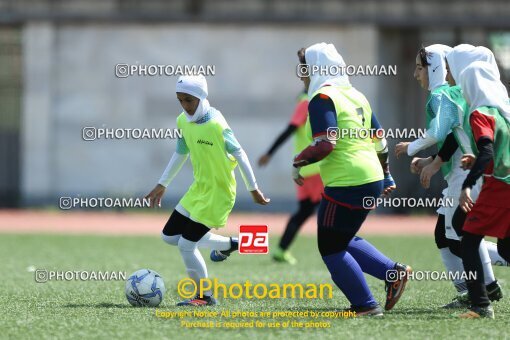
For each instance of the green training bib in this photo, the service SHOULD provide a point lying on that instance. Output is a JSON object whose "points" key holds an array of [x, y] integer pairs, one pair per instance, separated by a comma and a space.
{"points": [[353, 161], [501, 142], [212, 194], [302, 139]]}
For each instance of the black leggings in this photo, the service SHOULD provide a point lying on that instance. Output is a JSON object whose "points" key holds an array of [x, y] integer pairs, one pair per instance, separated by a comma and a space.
{"points": [[440, 237], [459, 217], [504, 248], [473, 264], [306, 209], [179, 224]]}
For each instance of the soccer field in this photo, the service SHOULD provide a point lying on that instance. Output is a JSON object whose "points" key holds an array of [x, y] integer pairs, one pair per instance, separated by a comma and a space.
{"points": [[93, 309]]}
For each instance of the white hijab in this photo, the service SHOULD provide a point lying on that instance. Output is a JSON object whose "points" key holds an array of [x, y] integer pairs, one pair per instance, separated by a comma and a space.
{"points": [[197, 87], [481, 87], [325, 55], [463, 55], [436, 55]]}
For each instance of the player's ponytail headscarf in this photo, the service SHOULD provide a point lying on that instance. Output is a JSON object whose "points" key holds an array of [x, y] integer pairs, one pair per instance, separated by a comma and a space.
{"points": [[463, 55], [197, 87], [325, 56], [436, 55], [481, 87]]}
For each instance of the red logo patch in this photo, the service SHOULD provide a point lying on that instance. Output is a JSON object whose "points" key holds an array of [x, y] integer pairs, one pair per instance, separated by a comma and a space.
{"points": [[253, 239]]}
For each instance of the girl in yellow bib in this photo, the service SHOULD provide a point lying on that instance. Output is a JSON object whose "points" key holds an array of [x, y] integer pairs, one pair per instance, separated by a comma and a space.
{"points": [[214, 153]]}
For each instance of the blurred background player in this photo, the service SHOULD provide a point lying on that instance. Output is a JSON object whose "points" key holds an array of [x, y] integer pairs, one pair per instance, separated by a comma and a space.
{"points": [[351, 170], [308, 194], [445, 104], [488, 123], [215, 153]]}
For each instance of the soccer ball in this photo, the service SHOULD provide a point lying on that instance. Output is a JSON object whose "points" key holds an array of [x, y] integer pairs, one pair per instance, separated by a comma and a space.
{"points": [[145, 287]]}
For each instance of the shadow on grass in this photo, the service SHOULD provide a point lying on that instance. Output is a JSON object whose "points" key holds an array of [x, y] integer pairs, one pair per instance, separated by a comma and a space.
{"points": [[97, 305]]}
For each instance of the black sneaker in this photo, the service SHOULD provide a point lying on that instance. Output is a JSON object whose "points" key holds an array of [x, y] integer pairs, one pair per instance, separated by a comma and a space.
{"points": [[395, 289], [460, 301], [221, 255], [198, 301], [365, 311], [494, 291]]}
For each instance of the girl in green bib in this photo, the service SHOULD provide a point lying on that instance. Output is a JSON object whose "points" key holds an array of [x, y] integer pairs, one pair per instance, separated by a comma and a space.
{"points": [[215, 152], [488, 123], [445, 110]]}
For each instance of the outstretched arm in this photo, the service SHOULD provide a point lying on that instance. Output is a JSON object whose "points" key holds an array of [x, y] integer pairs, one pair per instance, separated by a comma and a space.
{"points": [[381, 147], [176, 162], [279, 141], [419, 144], [298, 119], [172, 169], [234, 148], [445, 119], [483, 132]]}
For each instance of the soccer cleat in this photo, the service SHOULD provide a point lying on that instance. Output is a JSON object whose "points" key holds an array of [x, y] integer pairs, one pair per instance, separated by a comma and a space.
{"points": [[494, 291], [460, 301], [395, 289], [478, 312], [221, 255], [198, 301], [284, 256], [366, 311], [218, 256]]}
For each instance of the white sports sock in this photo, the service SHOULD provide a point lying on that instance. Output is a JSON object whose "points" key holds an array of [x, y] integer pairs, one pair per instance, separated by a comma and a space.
{"points": [[214, 242], [209, 240], [453, 264], [194, 262], [496, 259], [488, 274], [172, 240]]}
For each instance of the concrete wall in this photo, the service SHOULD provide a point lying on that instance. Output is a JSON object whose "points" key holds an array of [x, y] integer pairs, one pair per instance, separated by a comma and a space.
{"points": [[69, 83]]}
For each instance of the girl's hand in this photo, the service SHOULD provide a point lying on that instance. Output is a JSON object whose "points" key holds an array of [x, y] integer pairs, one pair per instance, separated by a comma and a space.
{"points": [[263, 160], [417, 164], [430, 170], [467, 161], [258, 197], [389, 185], [401, 148], [155, 195], [465, 201], [296, 176]]}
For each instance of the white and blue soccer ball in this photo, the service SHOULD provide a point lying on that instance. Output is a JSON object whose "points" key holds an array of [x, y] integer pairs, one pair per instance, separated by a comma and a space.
{"points": [[145, 287]]}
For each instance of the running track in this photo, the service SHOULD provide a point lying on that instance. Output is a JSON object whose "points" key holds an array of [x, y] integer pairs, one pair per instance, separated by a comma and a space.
{"points": [[107, 223]]}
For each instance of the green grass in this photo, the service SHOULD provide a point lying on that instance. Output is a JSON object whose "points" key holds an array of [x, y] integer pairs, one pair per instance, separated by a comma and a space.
{"points": [[61, 309]]}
